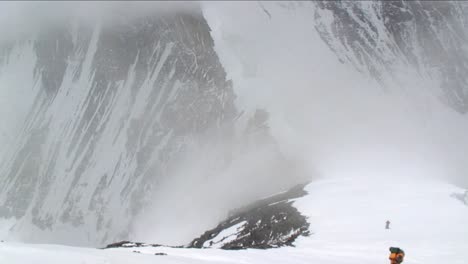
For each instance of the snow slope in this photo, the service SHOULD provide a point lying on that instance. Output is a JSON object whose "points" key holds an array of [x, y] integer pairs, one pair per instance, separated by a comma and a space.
{"points": [[348, 225], [347, 218]]}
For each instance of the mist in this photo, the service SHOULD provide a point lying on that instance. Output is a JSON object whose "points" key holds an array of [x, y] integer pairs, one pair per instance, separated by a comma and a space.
{"points": [[222, 170], [325, 118], [342, 122], [24, 19], [217, 175]]}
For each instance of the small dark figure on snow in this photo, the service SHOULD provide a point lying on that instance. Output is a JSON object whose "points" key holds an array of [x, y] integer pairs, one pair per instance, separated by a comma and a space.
{"points": [[387, 225]]}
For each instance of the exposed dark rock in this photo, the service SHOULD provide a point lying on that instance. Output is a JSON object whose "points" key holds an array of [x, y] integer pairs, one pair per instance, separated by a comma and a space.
{"points": [[128, 244], [268, 223]]}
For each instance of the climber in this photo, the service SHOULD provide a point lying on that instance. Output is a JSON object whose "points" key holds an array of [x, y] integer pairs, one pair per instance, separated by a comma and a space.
{"points": [[396, 255], [387, 225]]}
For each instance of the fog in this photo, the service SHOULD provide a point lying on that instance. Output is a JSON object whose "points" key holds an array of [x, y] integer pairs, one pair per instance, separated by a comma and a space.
{"points": [[215, 177], [339, 120], [325, 118], [23, 19], [219, 172], [331, 120]]}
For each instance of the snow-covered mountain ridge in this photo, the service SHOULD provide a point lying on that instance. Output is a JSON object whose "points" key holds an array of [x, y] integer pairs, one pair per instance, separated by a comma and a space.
{"points": [[383, 38], [112, 107]]}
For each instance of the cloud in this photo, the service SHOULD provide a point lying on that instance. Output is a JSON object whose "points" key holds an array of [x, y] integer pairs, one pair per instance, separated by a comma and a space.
{"points": [[328, 113], [20, 19]]}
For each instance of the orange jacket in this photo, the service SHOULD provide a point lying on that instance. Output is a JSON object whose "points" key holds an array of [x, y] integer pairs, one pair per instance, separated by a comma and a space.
{"points": [[396, 258]]}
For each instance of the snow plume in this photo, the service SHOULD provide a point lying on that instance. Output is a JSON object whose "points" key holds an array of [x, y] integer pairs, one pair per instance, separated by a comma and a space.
{"points": [[22, 19], [341, 120], [219, 173], [124, 109]]}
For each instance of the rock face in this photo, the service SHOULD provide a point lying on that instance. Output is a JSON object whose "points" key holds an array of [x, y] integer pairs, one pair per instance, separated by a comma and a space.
{"points": [[379, 37], [112, 108], [268, 223]]}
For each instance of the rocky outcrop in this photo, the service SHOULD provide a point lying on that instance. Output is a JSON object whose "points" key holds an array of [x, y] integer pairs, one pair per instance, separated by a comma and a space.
{"points": [[268, 223]]}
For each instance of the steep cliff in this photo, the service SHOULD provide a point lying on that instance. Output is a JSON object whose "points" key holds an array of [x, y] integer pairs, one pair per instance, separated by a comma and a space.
{"points": [[112, 107]]}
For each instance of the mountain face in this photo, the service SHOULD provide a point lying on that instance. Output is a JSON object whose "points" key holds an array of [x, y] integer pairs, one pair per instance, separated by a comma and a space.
{"points": [[381, 37], [112, 108], [105, 112]]}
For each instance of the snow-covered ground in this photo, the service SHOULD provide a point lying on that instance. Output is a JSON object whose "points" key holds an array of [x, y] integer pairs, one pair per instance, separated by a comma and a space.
{"points": [[347, 217]]}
